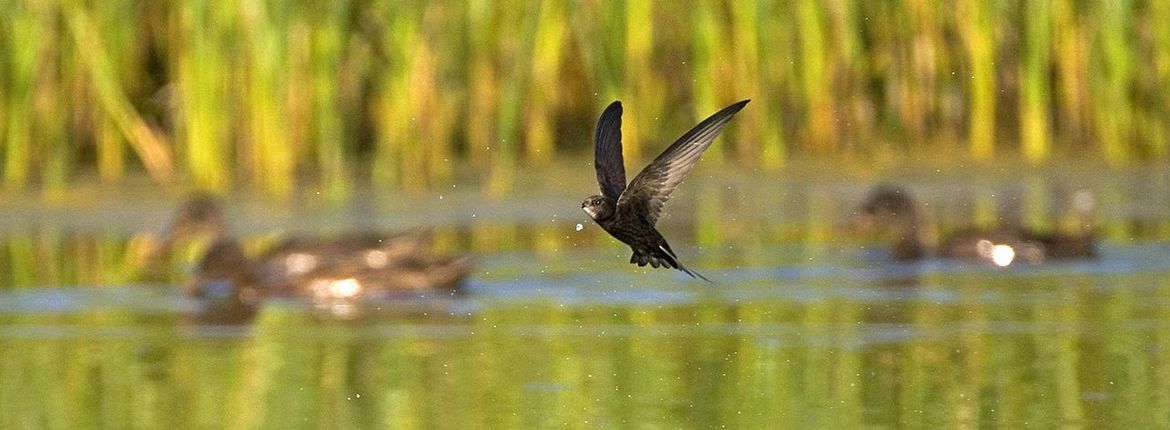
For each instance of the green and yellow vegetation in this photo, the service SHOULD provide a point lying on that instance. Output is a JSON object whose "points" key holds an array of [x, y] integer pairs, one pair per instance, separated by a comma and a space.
{"points": [[269, 95]]}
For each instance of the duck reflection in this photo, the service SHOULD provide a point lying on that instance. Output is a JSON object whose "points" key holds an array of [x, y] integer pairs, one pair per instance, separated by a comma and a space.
{"points": [[335, 274], [891, 210]]}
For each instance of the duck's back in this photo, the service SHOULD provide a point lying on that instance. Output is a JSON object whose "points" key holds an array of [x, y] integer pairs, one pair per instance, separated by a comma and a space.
{"points": [[1020, 244]]}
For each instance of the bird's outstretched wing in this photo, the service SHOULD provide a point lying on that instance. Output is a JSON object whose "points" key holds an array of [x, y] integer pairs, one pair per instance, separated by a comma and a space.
{"points": [[653, 185], [607, 152]]}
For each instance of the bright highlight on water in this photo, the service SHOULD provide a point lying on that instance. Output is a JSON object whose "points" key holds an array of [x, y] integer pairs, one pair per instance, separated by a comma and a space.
{"points": [[1002, 255]]}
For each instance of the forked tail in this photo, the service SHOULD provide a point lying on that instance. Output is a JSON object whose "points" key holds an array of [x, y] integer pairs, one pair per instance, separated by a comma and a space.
{"points": [[693, 273], [665, 258]]}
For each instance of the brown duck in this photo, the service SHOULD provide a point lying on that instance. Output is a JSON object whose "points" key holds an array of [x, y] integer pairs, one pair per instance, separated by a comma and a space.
{"points": [[893, 210], [331, 272]]}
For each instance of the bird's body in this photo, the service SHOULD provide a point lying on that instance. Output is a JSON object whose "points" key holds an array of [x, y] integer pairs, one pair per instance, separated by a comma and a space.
{"points": [[629, 213], [647, 243]]}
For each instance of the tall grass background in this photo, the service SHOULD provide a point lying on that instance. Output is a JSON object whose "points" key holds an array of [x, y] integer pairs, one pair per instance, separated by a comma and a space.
{"points": [[274, 96]]}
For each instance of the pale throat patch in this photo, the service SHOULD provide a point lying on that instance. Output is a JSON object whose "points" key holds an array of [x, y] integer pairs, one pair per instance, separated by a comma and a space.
{"points": [[591, 210]]}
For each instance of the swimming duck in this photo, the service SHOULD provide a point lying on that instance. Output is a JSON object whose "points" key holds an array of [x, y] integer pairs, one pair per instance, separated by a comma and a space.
{"points": [[231, 286], [891, 207], [334, 273]]}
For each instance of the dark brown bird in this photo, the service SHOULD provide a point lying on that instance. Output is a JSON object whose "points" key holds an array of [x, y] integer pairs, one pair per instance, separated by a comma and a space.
{"points": [[892, 208], [629, 213]]}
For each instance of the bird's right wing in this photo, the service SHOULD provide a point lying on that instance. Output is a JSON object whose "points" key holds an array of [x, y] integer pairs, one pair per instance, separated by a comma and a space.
{"points": [[607, 152]]}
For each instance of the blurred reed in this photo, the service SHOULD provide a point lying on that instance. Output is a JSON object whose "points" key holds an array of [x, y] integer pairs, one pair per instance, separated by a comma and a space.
{"points": [[271, 95]]}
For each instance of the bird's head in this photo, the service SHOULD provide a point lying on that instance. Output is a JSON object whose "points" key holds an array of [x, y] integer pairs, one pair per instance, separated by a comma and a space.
{"points": [[200, 214], [598, 207], [889, 204], [199, 220]]}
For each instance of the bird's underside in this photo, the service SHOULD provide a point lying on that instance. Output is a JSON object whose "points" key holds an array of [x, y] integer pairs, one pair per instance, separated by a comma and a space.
{"points": [[648, 246]]}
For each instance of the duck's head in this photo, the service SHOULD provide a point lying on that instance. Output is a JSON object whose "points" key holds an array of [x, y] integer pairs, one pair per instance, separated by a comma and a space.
{"points": [[200, 214], [889, 202], [200, 218], [198, 221], [891, 211]]}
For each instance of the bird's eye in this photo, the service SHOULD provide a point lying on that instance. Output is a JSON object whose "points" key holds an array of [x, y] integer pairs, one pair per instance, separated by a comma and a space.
{"points": [[597, 201]]}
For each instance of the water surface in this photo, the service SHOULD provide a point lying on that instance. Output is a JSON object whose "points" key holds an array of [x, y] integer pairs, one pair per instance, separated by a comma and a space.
{"points": [[809, 325]]}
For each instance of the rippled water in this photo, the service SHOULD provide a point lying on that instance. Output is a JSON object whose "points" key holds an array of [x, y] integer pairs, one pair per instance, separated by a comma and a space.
{"points": [[808, 325]]}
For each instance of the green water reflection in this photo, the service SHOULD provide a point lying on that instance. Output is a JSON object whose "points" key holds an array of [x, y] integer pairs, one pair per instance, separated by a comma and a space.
{"points": [[1084, 351]]}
